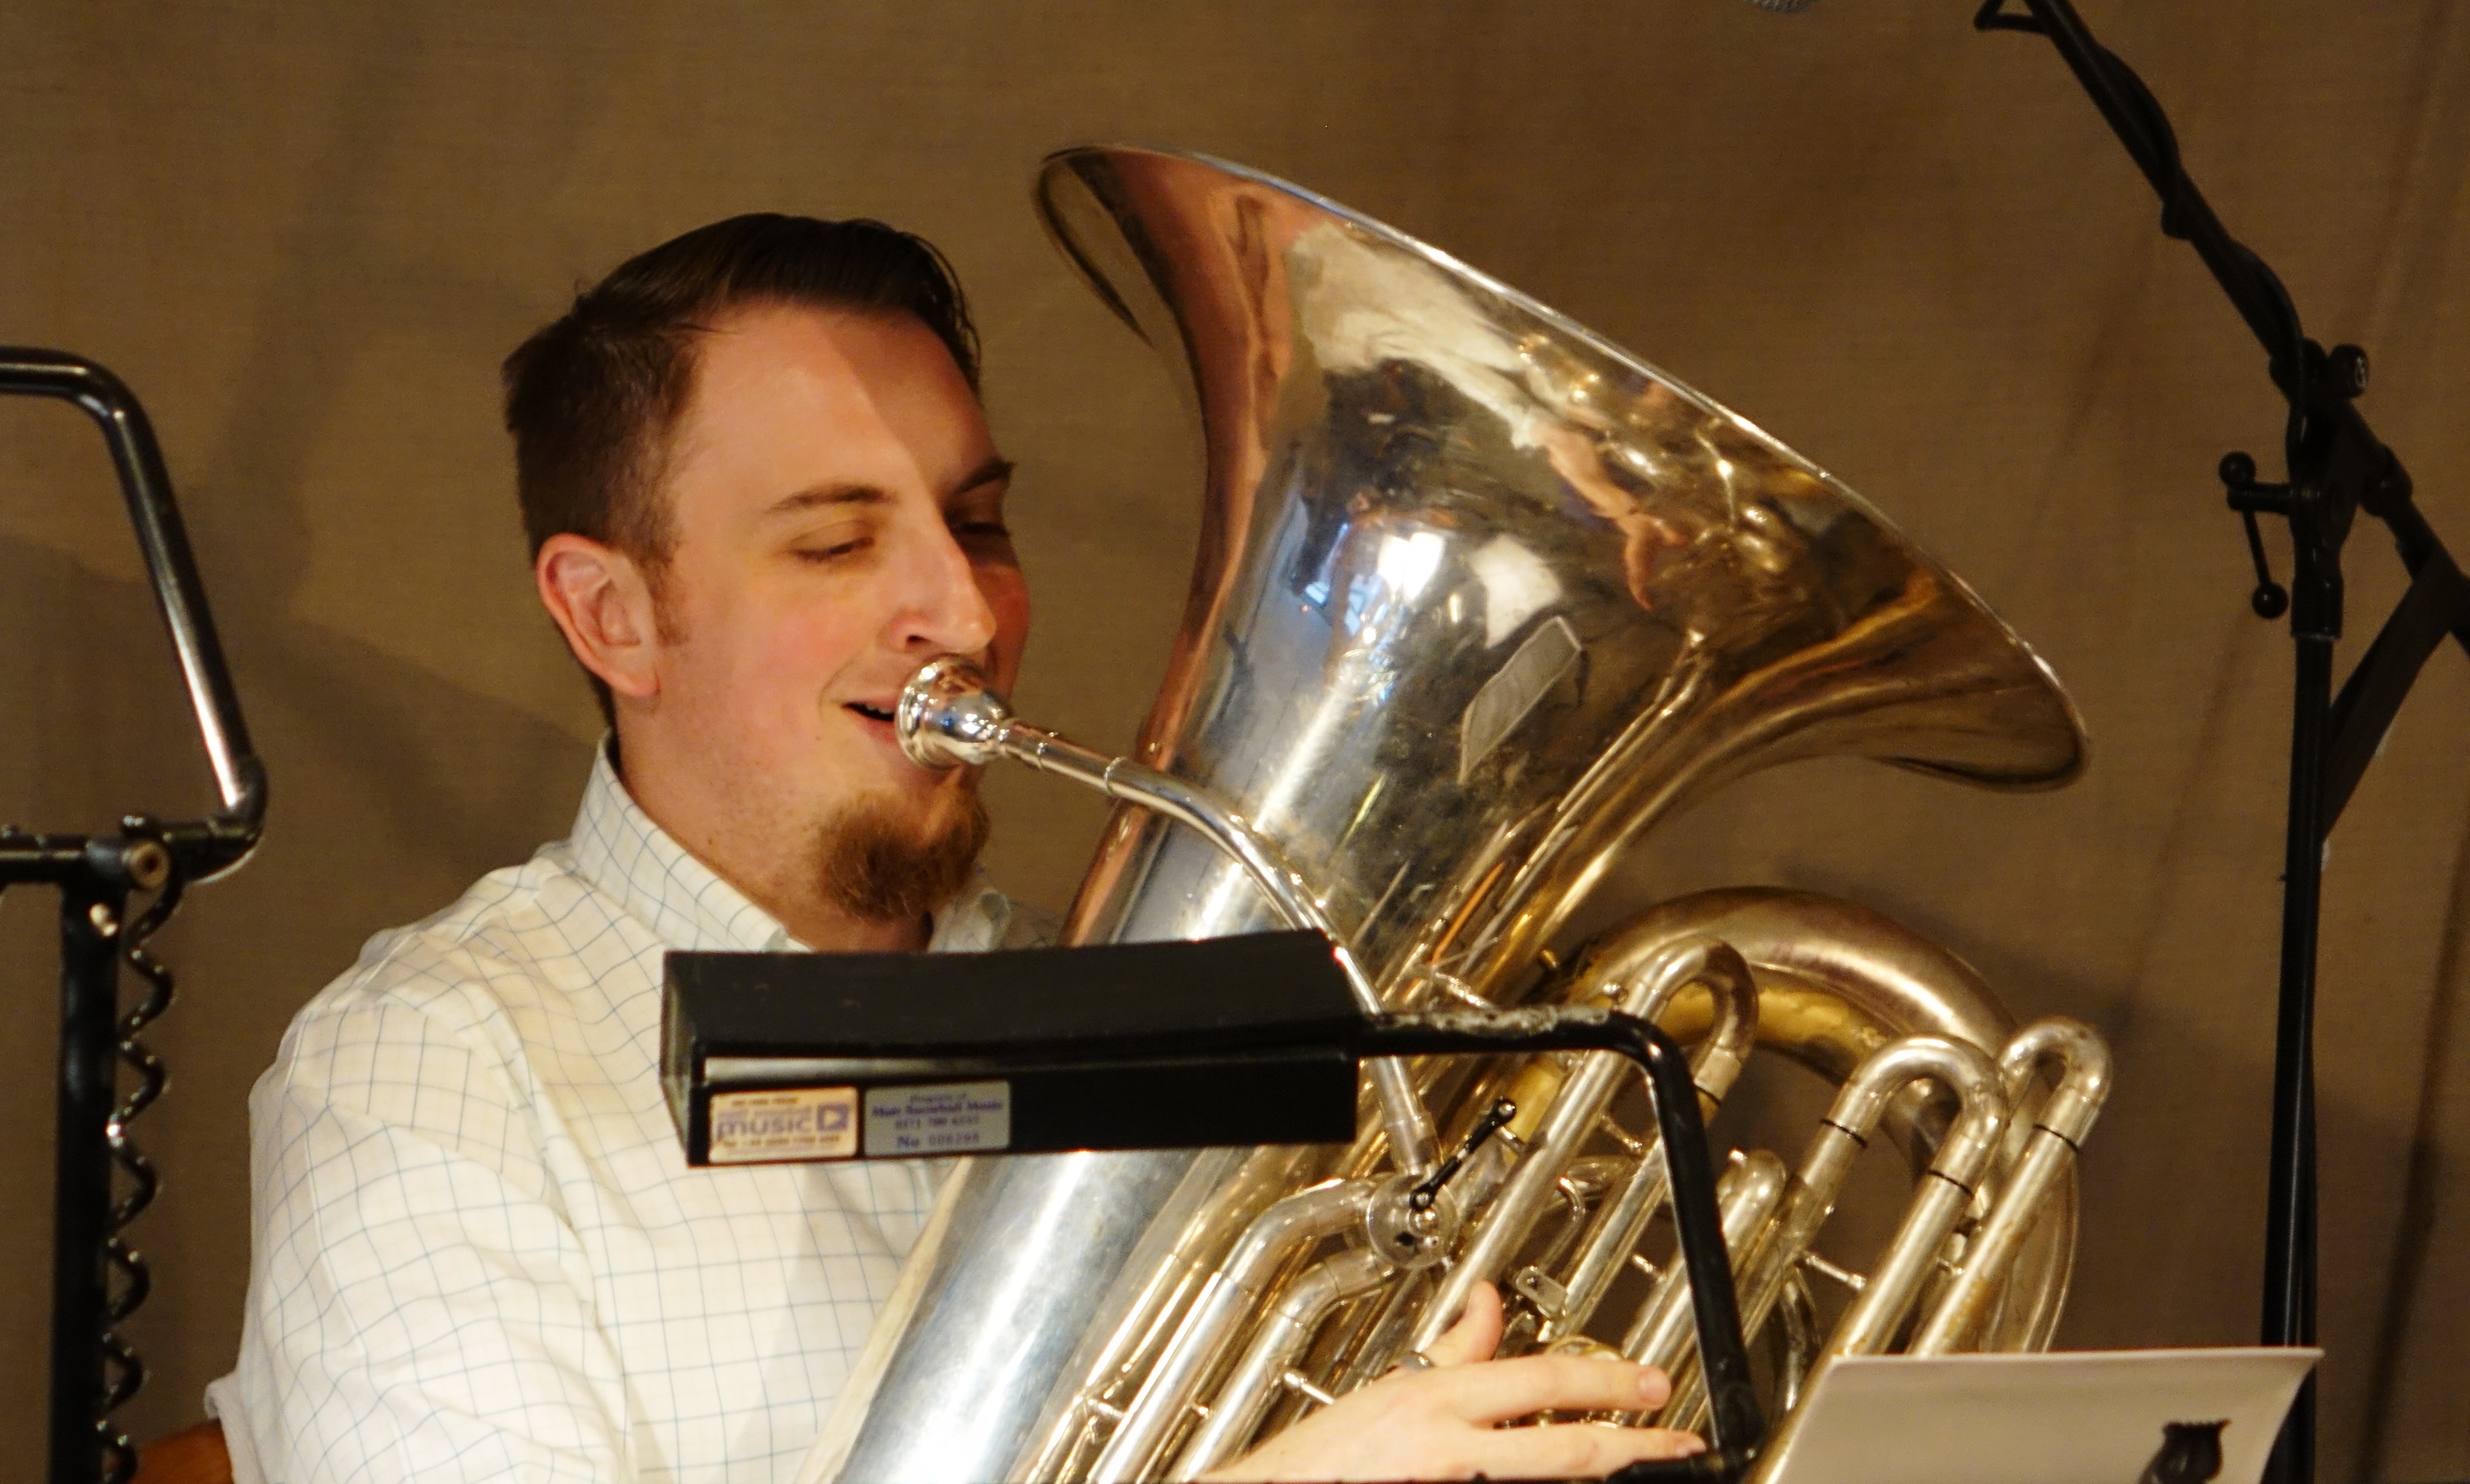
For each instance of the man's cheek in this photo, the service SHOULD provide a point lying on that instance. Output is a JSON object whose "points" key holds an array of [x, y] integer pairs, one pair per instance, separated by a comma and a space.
{"points": [[1007, 595], [809, 651]]}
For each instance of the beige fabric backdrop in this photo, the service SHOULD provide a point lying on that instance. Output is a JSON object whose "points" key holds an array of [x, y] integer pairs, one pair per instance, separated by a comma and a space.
{"points": [[307, 233]]}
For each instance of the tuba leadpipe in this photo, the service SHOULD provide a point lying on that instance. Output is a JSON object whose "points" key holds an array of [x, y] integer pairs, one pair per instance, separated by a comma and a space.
{"points": [[948, 717]]}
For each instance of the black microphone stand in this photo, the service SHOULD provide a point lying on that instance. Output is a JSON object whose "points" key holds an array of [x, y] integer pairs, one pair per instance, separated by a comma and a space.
{"points": [[2335, 468]]}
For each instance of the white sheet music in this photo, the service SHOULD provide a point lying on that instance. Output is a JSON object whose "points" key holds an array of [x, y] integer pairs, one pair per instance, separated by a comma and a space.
{"points": [[2082, 1417]]}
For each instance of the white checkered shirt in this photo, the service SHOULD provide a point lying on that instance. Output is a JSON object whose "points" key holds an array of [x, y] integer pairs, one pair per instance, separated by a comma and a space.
{"points": [[478, 1253]]}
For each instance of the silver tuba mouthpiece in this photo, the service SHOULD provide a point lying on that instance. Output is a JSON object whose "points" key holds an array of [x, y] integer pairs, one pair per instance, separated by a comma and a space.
{"points": [[949, 717]]}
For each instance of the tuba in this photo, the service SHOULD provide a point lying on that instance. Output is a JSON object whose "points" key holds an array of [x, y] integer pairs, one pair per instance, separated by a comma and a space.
{"points": [[1479, 597]]}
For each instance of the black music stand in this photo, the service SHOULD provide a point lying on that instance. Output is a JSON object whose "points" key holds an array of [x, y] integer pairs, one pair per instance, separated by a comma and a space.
{"points": [[93, 1368], [1079, 1040]]}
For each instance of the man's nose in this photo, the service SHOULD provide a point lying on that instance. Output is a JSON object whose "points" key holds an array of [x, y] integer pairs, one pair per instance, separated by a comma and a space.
{"points": [[943, 611]]}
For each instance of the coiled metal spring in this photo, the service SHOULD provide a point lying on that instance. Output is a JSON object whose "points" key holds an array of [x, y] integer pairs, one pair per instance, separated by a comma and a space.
{"points": [[127, 1276]]}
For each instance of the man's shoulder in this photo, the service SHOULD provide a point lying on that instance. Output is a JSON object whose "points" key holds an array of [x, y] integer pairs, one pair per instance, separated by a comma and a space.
{"points": [[524, 938]]}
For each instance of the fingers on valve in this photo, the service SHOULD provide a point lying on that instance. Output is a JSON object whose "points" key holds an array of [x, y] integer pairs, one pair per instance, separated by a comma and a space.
{"points": [[1508, 1389], [1476, 1335], [1579, 1450]]}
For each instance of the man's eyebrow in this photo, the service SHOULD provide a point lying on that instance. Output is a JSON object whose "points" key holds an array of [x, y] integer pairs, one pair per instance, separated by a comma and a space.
{"points": [[825, 496], [997, 468], [822, 495]]}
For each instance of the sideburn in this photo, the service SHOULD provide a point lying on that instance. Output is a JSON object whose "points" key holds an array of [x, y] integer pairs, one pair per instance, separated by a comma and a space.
{"points": [[878, 868]]}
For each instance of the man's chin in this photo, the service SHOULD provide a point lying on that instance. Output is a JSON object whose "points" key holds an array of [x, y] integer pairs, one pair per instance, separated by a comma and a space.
{"points": [[897, 858]]}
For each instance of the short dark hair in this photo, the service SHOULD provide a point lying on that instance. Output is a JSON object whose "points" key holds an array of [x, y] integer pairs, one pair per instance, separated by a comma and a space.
{"points": [[592, 398]]}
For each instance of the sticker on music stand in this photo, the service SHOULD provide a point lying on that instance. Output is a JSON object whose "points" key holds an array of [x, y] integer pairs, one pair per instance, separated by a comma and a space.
{"points": [[778, 1123], [946, 1118]]}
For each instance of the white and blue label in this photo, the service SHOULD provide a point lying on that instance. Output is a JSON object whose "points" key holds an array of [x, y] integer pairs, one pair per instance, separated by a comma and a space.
{"points": [[950, 1118]]}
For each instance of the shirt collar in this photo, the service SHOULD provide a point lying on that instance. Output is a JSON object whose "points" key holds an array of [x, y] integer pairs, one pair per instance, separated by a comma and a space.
{"points": [[977, 919], [619, 850]]}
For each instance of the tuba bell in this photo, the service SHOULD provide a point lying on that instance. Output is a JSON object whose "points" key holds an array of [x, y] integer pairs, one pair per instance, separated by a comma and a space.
{"points": [[1479, 597]]}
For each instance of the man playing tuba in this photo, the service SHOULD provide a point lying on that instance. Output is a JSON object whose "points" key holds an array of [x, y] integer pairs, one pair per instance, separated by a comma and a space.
{"points": [[760, 492]]}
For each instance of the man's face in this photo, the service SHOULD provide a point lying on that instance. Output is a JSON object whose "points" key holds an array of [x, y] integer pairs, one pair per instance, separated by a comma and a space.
{"points": [[838, 514]]}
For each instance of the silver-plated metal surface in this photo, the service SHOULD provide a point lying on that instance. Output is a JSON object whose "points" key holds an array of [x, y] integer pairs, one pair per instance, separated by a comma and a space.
{"points": [[1612, 1237], [1420, 481], [1229, 1300], [1478, 597], [1578, 1108], [948, 716], [1747, 1194], [1894, 1286], [1837, 981], [1945, 1190], [2049, 1151], [1868, 1324], [982, 1334], [1279, 1340], [1220, 1195]]}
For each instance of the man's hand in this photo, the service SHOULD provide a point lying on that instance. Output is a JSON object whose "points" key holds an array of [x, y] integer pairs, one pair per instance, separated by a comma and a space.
{"points": [[1445, 1422]]}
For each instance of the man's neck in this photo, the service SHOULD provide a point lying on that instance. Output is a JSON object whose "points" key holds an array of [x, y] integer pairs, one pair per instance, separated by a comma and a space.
{"points": [[781, 882]]}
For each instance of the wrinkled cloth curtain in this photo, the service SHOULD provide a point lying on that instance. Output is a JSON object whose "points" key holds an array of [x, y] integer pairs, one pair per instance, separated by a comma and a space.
{"points": [[307, 234]]}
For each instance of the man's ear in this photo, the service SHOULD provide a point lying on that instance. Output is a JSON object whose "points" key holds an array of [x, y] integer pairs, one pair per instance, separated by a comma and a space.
{"points": [[604, 607]]}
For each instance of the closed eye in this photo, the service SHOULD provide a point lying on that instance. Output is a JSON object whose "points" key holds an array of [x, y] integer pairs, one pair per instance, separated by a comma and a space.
{"points": [[839, 552]]}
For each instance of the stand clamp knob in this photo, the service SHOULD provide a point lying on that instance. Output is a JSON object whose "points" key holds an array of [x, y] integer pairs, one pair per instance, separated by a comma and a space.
{"points": [[2270, 600]]}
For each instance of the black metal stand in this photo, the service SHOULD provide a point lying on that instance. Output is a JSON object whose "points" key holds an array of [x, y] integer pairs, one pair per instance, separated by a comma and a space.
{"points": [[81, 1163], [98, 1280], [2336, 469]]}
